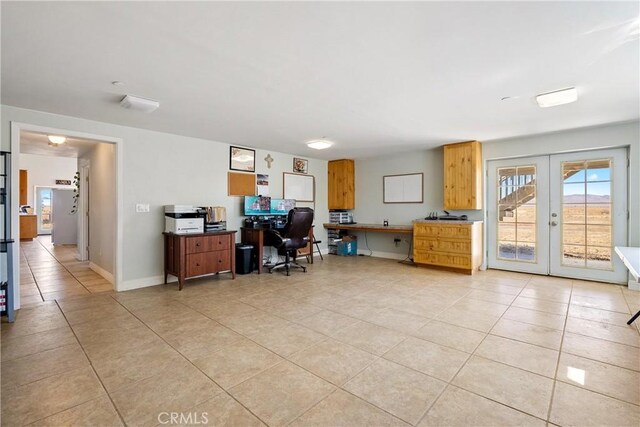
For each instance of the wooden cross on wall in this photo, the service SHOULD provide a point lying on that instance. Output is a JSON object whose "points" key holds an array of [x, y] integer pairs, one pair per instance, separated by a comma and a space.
{"points": [[269, 160]]}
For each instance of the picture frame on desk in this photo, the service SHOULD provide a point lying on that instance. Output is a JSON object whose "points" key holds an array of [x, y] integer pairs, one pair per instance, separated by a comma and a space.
{"points": [[242, 159]]}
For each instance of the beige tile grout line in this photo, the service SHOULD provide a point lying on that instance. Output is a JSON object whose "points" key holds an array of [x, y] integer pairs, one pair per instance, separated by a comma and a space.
{"points": [[301, 350], [32, 275], [465, 363], [194, 365], [555, 376], [92, 369], [65, 267]]}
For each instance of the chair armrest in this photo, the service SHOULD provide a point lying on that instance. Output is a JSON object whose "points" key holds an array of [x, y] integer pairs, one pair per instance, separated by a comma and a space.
{"points": [[274, 238]]}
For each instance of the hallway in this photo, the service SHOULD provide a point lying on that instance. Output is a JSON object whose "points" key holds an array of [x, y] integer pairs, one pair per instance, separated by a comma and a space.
{"points": [[48, 272]]}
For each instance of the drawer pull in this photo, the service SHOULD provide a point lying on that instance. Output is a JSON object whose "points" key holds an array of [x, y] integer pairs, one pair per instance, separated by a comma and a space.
{"points": [[197, 265], [198, 244], [219, 260]]}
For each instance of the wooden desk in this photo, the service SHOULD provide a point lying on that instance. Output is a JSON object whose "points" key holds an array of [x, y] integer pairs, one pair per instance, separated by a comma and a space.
{"points": [[192, 255], [255, 237], [379, 228]]}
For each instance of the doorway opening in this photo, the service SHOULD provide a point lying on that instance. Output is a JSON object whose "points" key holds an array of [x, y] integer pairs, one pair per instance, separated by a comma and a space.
{"points": [[62, 257]]}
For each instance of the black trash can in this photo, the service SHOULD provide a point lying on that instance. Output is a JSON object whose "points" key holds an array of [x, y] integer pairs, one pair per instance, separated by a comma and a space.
{"points": [[244, 264]]}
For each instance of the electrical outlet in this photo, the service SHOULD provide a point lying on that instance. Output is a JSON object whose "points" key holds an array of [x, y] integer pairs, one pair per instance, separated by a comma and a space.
{"points": [[140, 207]]}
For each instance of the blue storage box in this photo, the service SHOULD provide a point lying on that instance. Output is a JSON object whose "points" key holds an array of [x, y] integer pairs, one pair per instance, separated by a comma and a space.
{"points": [[348, 246]]}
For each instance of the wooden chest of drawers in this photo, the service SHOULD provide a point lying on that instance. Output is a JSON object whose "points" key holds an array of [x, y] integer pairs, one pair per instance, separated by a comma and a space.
{"points": [[448, 245], [192, 255]]}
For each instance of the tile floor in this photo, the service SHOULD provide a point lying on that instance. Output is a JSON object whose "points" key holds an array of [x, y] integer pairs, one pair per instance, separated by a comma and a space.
{"points": [[50, 272], [354, 342]]}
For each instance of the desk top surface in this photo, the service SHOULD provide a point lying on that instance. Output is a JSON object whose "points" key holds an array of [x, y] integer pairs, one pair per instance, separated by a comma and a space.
{"points": [[631, 258], [370, 227]]}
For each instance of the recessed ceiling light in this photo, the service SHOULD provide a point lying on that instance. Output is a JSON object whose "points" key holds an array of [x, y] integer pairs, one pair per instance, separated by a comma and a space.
{"points": [[319, 144], [117, 83], [557, 97], [137, 103], [56, 140]]}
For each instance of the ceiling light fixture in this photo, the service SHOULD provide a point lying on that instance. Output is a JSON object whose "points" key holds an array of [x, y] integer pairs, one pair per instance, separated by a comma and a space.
{"points": [[319, 144], [142, 104], [557, 97], [56, 140]]}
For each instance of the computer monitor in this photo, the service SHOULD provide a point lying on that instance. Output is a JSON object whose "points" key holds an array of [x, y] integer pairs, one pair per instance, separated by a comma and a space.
{"points": [[257, 205], [282, 206]]}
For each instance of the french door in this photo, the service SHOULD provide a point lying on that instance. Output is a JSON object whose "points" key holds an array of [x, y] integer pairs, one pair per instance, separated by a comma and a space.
{"points": [[560, 214], [43, 209]]}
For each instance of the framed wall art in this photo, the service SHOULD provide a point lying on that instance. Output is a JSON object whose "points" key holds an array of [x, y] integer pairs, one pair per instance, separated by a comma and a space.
{"points": [[242, 159], [300, 165]]}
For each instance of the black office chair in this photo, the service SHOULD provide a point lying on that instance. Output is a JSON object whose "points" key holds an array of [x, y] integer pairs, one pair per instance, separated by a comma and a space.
{"points": [[294, 236]]}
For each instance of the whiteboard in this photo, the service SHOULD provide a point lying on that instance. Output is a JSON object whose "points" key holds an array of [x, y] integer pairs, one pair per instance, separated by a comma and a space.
{"points": [[297, 186], [407, 188]]}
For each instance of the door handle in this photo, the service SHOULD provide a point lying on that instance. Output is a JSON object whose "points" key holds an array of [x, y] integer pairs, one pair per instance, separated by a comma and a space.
{"points": [[554, 223]]}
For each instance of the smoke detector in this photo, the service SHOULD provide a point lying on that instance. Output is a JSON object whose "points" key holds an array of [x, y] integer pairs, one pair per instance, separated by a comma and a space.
{"points": [[137, 103]]}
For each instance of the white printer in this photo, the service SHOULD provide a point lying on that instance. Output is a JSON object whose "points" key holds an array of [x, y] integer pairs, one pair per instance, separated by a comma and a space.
{"points": [[184, 219]]}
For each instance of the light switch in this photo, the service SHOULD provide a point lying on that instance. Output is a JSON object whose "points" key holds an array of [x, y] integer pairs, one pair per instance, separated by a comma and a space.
{"points": [[142, 207]]}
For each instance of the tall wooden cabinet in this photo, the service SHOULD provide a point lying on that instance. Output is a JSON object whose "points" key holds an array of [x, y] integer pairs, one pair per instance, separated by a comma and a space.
{"points": [[342, 185], [463, 175], [24, 185]]}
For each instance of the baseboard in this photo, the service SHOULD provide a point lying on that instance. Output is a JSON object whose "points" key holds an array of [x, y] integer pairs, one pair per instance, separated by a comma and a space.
{"points": [[144, 282], [378, 254], [101, 271]]}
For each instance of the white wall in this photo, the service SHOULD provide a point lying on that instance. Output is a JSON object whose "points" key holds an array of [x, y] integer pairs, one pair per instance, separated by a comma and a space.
{"points": [[159, 169], [369, 173], [44, 170], [371, 209], [102, 206]]}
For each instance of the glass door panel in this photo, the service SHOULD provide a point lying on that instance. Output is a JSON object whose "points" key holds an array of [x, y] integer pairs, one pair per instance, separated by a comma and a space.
{"points": [[517, 221], [43, 210], [584, 230]]}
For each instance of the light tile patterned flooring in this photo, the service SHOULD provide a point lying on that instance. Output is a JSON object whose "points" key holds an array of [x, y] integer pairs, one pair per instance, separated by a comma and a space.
{"points": [[50, 272], [354, 342]]}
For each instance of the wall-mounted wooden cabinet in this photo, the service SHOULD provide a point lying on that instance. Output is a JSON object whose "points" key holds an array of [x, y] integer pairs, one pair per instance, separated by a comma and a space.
{"points": [[463, 175], [24, 185], [342, 188]]}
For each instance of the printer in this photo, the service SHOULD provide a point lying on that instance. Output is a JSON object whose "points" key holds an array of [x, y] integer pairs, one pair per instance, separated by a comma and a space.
{"points": [[184, 219]]}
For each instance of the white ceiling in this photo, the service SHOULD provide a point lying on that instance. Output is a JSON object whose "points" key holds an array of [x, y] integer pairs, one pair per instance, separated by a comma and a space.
{"points": [[38, 143], [374, 77]]}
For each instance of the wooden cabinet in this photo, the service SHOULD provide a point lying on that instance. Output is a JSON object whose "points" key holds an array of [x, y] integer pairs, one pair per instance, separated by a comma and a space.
{"points": [[463, 175], [191, 255], [342, 185], [456, 246], [24, 185], [28, 227]]}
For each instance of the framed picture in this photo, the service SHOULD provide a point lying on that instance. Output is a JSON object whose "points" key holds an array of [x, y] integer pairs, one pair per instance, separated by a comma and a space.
{"points": [[300, 165], [242, 159]]}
